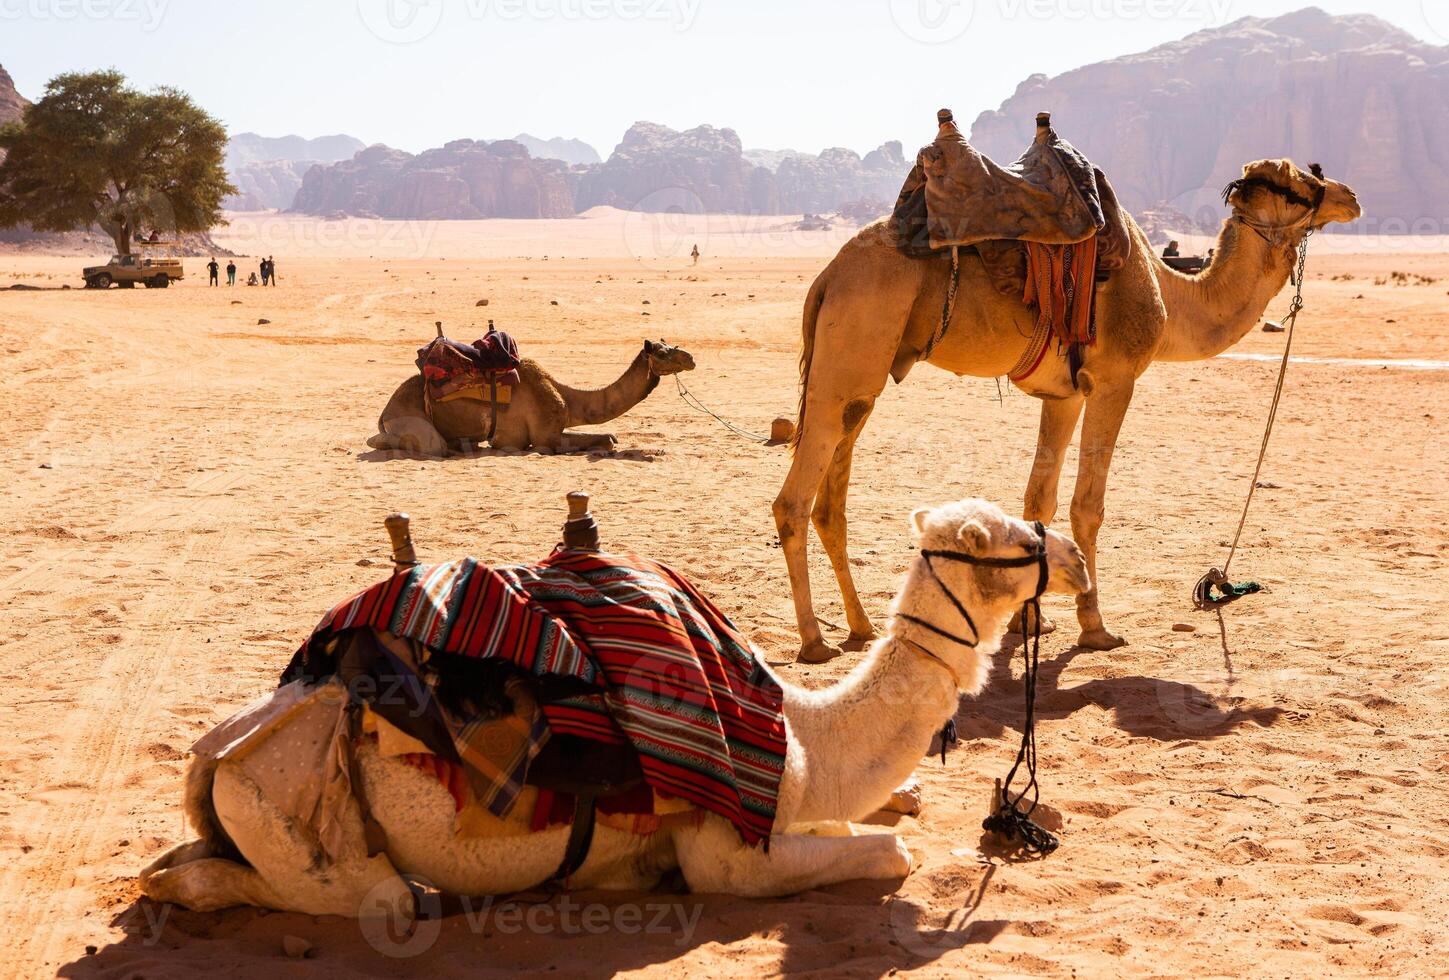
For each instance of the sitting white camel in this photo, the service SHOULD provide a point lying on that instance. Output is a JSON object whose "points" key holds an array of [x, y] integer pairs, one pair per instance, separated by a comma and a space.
{"points": [[848, 747]]}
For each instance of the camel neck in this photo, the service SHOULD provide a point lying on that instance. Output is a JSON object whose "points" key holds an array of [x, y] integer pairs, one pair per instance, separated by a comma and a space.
{"points": [[594, 407], [863, 737], [1210, 312]]}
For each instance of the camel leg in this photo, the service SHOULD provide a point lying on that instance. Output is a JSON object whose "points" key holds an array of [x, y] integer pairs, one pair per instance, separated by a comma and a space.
{"points": [[210, 884], [829, 519], [287, 871], [818, 439], [1058, 422], [412, 434], [714, 859], [1107, 405], [576, 441]]}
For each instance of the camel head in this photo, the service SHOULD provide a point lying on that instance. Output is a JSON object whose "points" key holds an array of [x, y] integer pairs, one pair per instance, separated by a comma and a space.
{"points": [[665, 360], [951, 590], [1275, 195], [983, 530]]}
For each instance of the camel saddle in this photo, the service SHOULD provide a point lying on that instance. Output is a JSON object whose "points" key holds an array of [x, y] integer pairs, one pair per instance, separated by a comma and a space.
{"points": [[1052, 195], [486, 371]]}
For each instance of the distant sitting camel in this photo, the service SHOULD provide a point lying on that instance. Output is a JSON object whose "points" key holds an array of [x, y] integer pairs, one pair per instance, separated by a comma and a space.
{"points": [[539, 413], [849, 745], [872, 302]]}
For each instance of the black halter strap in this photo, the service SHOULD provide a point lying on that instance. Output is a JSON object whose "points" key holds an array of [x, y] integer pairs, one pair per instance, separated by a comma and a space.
{"points": [[1037, 556], [1011, 814]]}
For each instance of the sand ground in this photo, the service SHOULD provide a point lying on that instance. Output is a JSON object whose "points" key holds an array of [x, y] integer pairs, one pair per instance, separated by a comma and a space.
{"points": [[187, 490]]}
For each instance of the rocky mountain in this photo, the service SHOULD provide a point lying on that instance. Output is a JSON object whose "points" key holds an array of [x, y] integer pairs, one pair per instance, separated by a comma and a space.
{"points": [[704, 169], [268, 170], [839, 177], [1172, 125], [700, 170], [463, 179], [570, 151], [12, 103], [771, 159]]}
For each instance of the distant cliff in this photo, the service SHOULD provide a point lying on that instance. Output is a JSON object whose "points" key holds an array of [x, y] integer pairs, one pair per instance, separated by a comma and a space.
{"points": [[12, 103], [656, 168], [268, 171], [1172, 125], [463, 179], [572, 152]]}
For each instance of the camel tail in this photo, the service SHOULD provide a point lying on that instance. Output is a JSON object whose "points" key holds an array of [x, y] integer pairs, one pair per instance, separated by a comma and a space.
{"points": [[201, 811], [813, 301]]}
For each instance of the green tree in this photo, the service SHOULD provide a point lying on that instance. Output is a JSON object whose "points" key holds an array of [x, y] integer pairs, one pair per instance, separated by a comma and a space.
{"points": [[94, 152]]}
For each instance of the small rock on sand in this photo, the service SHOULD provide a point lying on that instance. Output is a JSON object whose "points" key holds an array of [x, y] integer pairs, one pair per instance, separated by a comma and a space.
{"points": [[481, 302], [263, 322], [1183, 628], [297, 948]]}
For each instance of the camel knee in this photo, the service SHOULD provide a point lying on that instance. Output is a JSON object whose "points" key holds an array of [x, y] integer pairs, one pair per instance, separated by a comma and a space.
{"points": [[413, 435], [1041, 505], [789, 518]]}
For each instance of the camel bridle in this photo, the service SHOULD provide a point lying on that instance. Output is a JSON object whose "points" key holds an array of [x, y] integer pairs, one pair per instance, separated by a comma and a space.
{"points": [[1272, 232], [1008, 817], [1036, 556]]}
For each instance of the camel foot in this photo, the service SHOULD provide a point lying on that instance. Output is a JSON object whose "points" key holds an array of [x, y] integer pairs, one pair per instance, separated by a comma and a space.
{"points": [[1099, 639], [195, 850], [1047, 626], [383, 440], [906, 799], [818, 652], [867, 635]]}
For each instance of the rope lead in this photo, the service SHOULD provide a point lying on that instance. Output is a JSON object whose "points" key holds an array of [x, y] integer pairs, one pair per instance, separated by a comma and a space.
{"points": [[1202, 591], [1009, 819]]}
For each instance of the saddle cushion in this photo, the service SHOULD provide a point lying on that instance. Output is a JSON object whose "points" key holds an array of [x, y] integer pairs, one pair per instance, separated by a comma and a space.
{"points": [[623, 650], [448, 366], [1050, 195]]}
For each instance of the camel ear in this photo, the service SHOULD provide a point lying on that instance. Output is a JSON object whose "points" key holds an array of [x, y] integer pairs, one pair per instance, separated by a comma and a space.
{"points": [[974, 537], [918, 520], [648, 346]]}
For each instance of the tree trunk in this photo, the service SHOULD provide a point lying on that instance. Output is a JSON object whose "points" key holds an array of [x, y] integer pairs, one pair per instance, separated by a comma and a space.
{"points": [[121, 235]]}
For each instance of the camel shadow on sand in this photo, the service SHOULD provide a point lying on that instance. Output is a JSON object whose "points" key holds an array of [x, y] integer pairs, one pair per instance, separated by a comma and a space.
{"points": [[1148, 707], [856, 927], [593, 455]]}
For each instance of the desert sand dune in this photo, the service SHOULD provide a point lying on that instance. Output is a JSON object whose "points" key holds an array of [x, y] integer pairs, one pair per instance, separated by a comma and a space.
{"points": [[188, 490]]}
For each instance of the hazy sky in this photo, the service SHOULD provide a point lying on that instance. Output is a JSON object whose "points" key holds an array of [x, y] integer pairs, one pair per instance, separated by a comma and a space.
{"points": [[783, 73]]}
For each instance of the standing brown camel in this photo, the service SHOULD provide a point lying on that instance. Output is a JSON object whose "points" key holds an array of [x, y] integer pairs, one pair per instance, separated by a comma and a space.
{"points": [[872, 303]]}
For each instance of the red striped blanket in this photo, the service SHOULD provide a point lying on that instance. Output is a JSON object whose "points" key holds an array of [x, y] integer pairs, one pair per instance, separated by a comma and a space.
{"points": [[674, 676]]}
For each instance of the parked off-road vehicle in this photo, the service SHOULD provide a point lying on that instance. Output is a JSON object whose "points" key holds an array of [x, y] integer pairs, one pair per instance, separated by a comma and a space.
{"points": [[127, 270]]}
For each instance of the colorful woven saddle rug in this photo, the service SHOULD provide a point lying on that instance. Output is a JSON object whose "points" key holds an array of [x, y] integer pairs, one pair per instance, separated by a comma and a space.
{"points": [[487, 370], [487, 666]]}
